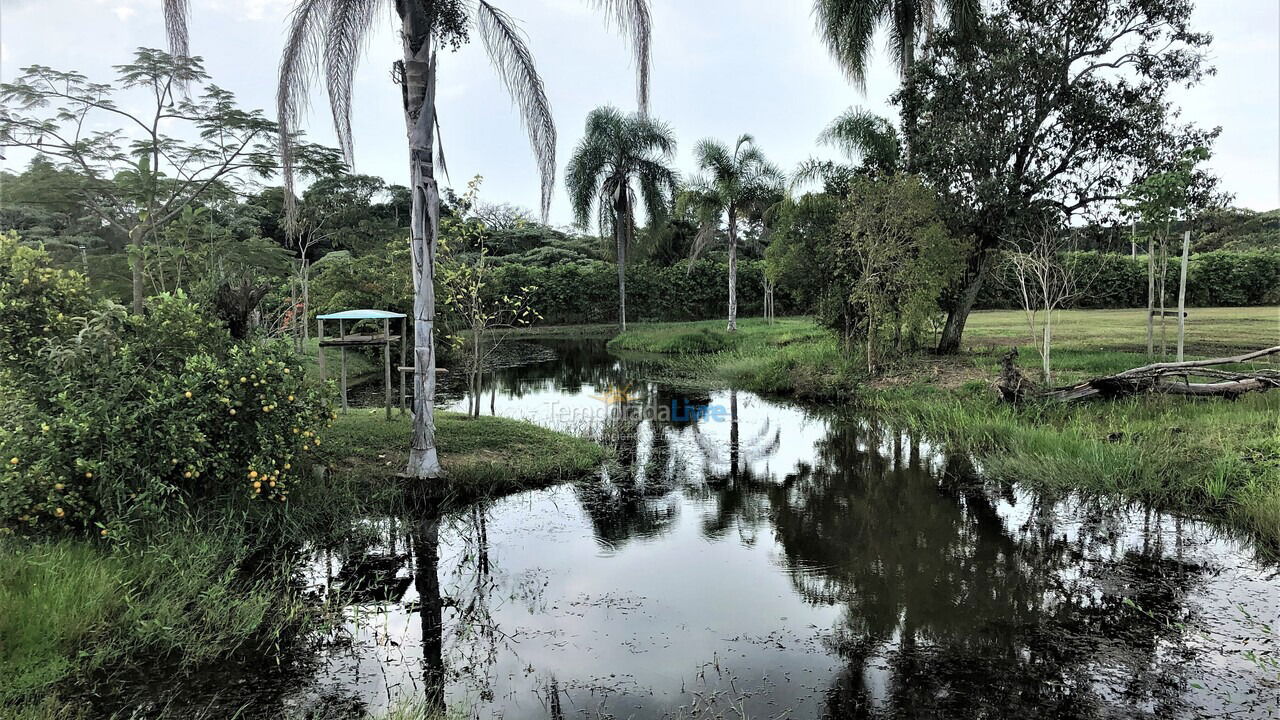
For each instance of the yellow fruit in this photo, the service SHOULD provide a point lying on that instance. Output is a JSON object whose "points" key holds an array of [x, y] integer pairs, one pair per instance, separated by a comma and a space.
{"points": [[272, 483], [287, 466], [88, 474], [58, 512], [290, 398], [58, 486], [187, 394], [13, 461], [286, 371], [243, 379], [173, 461], [44, 427], [186, 474], [253, 474], [232, 411], [257, 485], [103, 532], [296, 431]]}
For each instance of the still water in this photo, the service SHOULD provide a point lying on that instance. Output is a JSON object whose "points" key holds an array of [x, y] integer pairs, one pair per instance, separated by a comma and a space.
{"points": [[752, 558]]}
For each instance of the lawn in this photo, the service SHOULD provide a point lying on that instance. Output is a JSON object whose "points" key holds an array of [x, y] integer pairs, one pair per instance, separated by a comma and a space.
{"points": [[481, 456]]}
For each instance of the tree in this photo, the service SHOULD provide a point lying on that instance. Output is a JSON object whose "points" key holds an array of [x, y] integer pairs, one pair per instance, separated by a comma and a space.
{"points": [[486, 317], [619, 156], [1158, 201], [187, 142], [1047, 280], [1049, 107], [333, 32], [733, 186], [893, 256]]}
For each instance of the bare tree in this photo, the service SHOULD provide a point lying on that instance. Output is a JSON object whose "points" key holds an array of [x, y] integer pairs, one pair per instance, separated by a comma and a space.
{"points": [[1047, 281]]}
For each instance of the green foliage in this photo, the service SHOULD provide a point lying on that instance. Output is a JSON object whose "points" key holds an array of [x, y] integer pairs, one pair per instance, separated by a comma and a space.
{"points": [[892, 258], [112, 418], [37, 302]]}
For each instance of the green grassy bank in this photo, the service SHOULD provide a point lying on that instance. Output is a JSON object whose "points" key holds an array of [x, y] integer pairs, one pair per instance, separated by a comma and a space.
{"points": [[217, 582], [1213, 458], [481, 456]]}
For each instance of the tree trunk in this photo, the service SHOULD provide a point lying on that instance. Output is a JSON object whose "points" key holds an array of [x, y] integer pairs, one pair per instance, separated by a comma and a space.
{"points": [[135, 238], [419, 94], [1151, 294], [733, 270], [621, 223], [966, 297], [1048, 344]]}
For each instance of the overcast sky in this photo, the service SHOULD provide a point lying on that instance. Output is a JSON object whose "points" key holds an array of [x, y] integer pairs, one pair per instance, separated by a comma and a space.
{"points": [[721, 68]]}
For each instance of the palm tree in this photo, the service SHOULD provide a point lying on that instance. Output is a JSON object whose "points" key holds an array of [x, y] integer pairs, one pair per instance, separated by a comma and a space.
{"points": [[849, 26], [869, 142], [329, 35], [733, 186], [619, 155]]}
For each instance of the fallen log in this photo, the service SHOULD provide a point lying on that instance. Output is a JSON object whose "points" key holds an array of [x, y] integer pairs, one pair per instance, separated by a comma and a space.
{"points": [[1167, 378]]}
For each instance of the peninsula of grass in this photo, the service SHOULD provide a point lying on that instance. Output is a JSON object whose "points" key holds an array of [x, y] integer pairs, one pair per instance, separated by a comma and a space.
{"points": [[1213, 458], [482, 456]]}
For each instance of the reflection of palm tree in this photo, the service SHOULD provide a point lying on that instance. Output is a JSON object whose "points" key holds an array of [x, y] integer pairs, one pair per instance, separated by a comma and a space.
{"points": [[426, 550]]}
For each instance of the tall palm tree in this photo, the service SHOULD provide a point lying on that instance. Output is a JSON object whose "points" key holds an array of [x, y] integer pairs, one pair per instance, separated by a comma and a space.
{"points": [[870, 143], [849, 26], [327, 37], [733, 185], [622, 161]]}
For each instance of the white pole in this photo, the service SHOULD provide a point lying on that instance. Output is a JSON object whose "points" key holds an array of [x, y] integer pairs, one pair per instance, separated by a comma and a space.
{"points": [[1182, 294]]}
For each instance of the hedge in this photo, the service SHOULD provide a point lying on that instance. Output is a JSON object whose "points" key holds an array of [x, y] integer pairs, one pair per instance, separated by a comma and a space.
{"points": [[588, 292], [1214, 279]]}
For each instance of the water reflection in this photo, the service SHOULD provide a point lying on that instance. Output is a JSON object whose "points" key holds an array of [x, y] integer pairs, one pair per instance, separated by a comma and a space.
{"points": [[782, 560]]}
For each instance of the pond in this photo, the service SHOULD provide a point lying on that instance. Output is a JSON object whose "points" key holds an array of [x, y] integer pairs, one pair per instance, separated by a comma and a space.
{"points": [[752, 558]]}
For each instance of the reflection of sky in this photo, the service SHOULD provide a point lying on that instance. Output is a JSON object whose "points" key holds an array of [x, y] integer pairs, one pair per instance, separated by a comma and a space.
{"points": [[646, 621]]}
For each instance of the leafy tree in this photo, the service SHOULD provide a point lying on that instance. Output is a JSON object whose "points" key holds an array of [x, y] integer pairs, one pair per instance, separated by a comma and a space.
{"points": [[893, 256], [334, 31], [621, 159], [182, 147], [735, 186], [1054, 106], [1159, 200]]}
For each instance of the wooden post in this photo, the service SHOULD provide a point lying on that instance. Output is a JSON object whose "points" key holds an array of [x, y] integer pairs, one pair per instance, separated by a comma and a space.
{"points": [[320, 348], [342, 335], [1133, 240], [1182, 294], [403, 340], [1151, 294], [386, 362]]}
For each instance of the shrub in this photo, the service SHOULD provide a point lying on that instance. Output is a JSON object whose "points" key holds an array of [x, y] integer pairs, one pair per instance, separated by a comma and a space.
{"points": [[114, 417]]}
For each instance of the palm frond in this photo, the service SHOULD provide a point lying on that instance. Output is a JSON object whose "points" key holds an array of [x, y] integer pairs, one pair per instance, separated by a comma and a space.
{"points": [[866, 137], [513, 61], [298, 65], [848, 28], [347, 26], [636, 23], [176, 14]]}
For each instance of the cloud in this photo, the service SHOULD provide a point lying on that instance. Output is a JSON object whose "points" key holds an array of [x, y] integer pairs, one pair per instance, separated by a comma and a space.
{"points": [[123, 12]]}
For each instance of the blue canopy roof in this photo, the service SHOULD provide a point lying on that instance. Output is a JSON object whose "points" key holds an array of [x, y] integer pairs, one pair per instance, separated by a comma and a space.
{"points": [[361, 315]]}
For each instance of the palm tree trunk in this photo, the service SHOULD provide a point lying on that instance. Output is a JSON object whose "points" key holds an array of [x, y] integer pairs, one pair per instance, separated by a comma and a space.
{"points": [[419, 94], [621, 223], [733, 270]]}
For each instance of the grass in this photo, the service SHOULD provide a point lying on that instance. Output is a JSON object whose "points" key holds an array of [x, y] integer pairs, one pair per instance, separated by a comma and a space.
{"points": [[1213, 458], [179, 595], [481, 456]]}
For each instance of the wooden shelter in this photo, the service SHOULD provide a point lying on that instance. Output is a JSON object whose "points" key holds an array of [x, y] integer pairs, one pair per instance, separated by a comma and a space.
{"points": [[347, 320]]}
